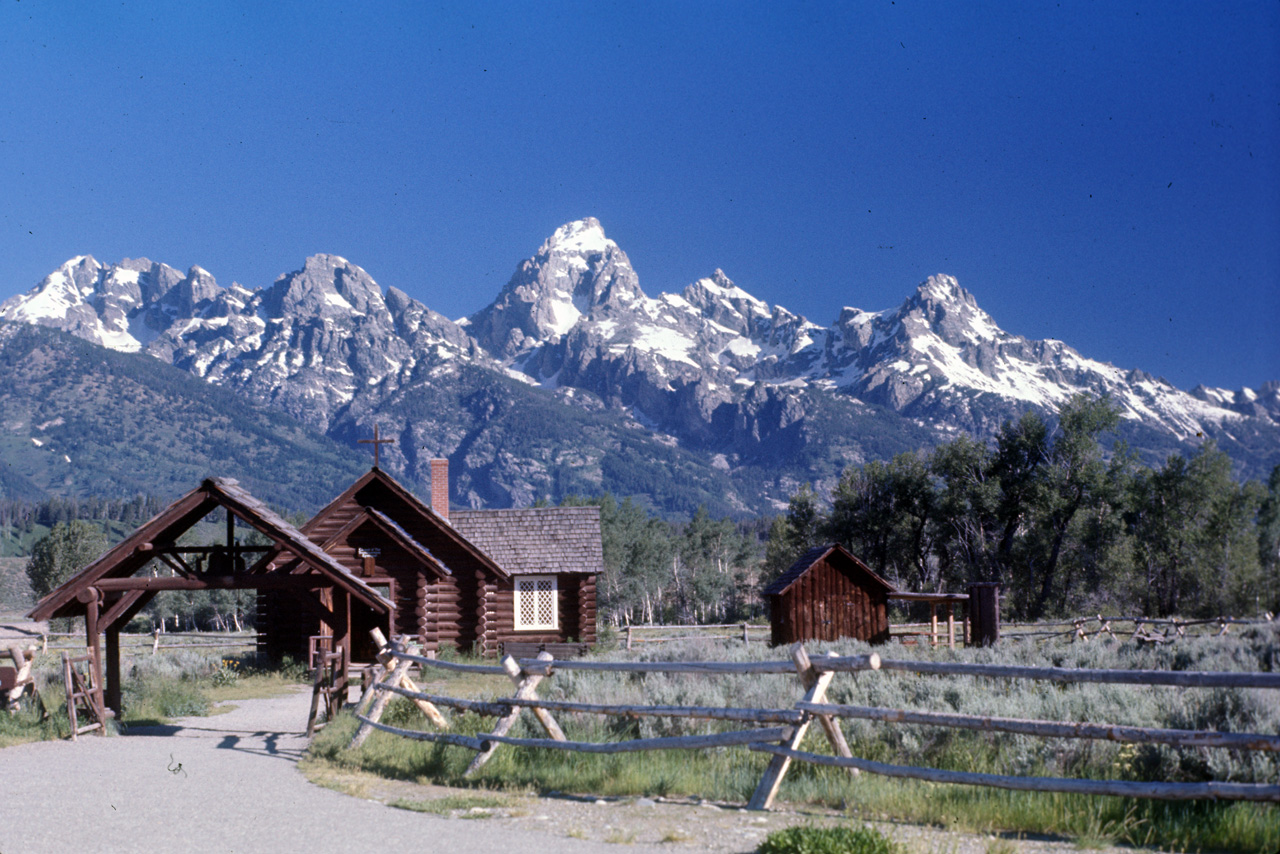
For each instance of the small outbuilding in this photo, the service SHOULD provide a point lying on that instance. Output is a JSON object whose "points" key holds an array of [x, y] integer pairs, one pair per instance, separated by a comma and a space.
{"points": [[828, 594]]}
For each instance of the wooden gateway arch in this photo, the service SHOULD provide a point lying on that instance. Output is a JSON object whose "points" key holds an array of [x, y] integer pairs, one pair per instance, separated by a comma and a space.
{"points": [[109, 592]]}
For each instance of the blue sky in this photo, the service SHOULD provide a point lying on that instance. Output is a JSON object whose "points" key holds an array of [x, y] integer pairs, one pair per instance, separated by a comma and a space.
{"points": [[1104, 173]]}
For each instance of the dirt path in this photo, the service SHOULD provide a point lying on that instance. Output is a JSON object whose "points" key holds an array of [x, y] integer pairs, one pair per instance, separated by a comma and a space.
{"points": [[230, 783]]}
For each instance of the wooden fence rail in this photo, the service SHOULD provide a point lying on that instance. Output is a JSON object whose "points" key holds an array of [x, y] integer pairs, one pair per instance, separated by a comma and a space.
{"points": [[783, 742], [742, 632], [1211, 790], [1182, 678], [135, 642], [1143, 628]]}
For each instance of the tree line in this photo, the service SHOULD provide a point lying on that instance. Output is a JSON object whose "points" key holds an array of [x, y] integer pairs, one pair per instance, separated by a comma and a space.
{"points": [[1063, 525], [1066, 525], [704, 570], [21, 518]]}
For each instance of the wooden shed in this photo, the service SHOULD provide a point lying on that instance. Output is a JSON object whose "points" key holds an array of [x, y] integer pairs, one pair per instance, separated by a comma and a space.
{"points": [[828, 594]]}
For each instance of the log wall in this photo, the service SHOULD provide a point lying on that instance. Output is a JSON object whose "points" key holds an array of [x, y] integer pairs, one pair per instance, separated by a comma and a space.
{"points": [[576, 604], [468, 609]]}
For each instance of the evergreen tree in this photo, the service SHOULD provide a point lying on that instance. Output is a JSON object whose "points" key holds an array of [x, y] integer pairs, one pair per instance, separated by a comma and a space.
{"points": [[1269, 543], [68, 548], [791, 534]]}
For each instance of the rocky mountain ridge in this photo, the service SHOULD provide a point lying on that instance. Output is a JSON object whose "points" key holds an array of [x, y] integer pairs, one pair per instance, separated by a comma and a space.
{"points": [[712, 370]]}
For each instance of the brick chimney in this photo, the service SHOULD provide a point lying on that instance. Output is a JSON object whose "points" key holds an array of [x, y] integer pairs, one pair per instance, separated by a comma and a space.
{"points": [[440, 488]]}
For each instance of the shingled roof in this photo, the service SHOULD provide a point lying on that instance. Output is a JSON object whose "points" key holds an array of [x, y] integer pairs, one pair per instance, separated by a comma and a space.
{"points": [[812, 556], [536, 540]]}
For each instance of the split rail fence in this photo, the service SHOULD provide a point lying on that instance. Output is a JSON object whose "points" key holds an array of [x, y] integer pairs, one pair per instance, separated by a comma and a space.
{"points": [[157, 641], [781, 731], [745, 632], [1152, 630]]}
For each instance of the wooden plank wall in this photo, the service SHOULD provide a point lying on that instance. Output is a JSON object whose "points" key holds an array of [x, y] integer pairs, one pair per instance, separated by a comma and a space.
{"points": [[827, 604]]}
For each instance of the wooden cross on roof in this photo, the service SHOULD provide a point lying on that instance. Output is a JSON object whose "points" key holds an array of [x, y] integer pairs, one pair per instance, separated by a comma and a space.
{"points": [[377, 442]]}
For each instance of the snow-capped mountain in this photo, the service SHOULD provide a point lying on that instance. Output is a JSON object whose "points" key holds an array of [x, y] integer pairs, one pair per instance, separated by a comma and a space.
{"points": [[309, 344], [574, 315], [712, 369]]}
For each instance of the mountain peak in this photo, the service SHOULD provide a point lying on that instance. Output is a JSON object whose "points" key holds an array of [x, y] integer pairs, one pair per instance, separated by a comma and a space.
{"points": [[583, 235], [940, 288], [576, 272], [327, 285]]}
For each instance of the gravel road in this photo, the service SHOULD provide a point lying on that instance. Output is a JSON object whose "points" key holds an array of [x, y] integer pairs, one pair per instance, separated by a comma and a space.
{"points": [[230, 783], [227, 783]]}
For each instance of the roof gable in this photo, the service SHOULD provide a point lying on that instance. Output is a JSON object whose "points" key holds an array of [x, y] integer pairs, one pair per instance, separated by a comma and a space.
{"points": [[389, 529], [378, 491], [162, 531], [537, 539], [834, 553]]}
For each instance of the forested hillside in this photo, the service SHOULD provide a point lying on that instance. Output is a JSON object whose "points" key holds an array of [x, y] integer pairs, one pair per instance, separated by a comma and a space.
{"points": [[80, 420]]}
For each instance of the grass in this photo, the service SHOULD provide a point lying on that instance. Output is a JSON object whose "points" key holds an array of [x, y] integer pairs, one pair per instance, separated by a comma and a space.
{"points": [[179, 684], [28, 725], [731, 774], [452, 804], [155, 690], [1001, 845], [804, 839]]}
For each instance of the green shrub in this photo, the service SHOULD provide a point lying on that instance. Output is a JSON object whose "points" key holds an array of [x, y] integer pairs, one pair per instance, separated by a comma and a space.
{"points": [[160, 698], [827, 840], [227, 674]]}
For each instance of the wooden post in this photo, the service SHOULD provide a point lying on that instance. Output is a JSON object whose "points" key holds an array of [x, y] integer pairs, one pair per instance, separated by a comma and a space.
{"points": [[984, 612], [341, 643], [155, 647], [71, 694], [316, 679], [91, 597], [951, 626], [386, 659], [526, 689], [628, 637], [380, 703], [544, 717], [933, 624], [113, 697], [372, 677], [744, 634], [816, 685]]}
